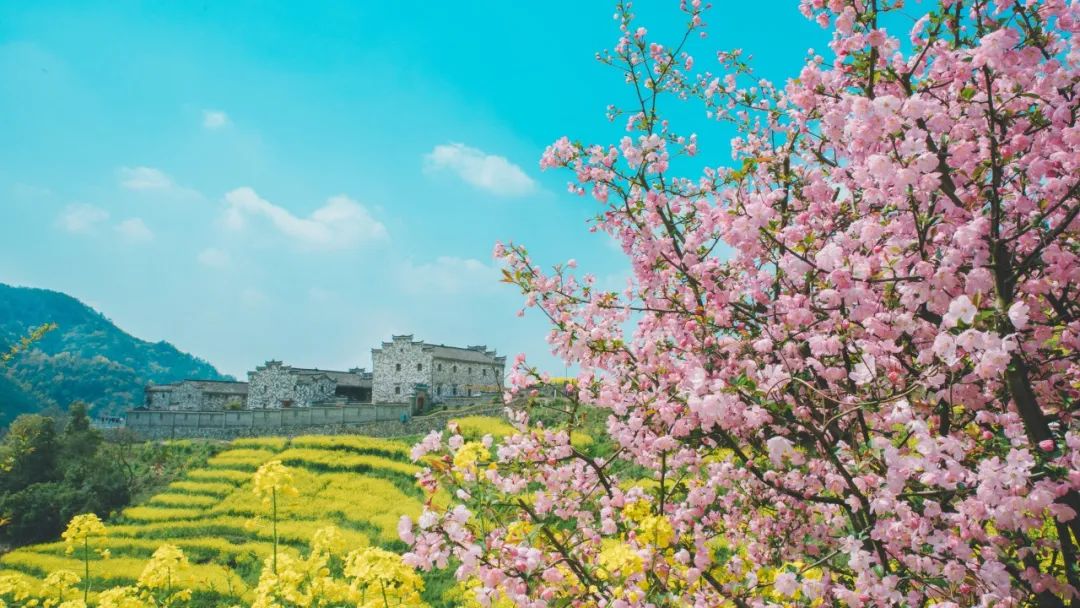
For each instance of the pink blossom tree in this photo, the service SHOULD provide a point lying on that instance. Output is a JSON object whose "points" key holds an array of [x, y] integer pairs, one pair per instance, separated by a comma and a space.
{"points": [[853, 372]]}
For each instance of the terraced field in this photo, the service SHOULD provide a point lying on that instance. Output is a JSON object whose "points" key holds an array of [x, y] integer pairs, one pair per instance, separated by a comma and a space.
{"points": [[361, 485]]}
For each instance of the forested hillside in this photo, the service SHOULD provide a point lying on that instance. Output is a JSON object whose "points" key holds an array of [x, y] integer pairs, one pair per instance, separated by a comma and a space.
{"points": [[86, 358]]}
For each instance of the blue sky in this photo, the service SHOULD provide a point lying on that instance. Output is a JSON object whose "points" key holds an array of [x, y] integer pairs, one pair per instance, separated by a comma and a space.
{"points": [[300, 180]]}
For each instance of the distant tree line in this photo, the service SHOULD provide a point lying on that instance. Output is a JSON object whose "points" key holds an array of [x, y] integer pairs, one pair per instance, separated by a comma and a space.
{"points": [[52, 468]]}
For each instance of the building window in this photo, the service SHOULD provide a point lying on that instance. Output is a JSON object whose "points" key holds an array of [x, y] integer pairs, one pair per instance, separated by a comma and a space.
{"points": [[440, 367], [454, 370], [483, 372], [397, 390], [397, 367], [455, 390], [438, 389], [419, 367]]}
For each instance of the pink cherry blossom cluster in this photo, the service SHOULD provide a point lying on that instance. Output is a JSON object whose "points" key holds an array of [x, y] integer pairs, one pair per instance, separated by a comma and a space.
{"points": [[846, 368]]}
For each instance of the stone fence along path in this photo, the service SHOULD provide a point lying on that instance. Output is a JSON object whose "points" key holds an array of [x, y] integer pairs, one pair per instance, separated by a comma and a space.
{"points": [[158, 424], [382, 420]]}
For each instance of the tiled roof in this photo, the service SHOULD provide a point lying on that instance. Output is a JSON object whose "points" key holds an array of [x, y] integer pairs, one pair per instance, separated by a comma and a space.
{"points": [[215, 386], [227, 387], [341, 378], [456, 353]]}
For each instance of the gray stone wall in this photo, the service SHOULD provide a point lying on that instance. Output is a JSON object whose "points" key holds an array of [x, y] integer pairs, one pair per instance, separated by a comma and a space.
{"points": [[309, 390], [160, 400], [397, 367], [385, 427], [268, 386], [402, 363], [257, 422], [453, 378], [273, 386], [186, 395]]}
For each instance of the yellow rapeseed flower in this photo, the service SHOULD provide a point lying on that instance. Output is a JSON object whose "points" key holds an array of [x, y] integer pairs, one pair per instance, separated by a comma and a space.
{"points": [[637, 510], [326, 541], [81, 530], [121, 597], [518, 531], [651, 529], [468, 455], [165, 569], [655, 530], [381, 577], [15, 589], [56, 587], [273, 478], [305, 583], [280, 585], [618, 559]]}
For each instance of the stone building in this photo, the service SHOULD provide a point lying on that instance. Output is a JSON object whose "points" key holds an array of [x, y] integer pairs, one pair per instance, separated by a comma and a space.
{"points": [[275, 385], [271, 386], [197, 395], [404, 370]]}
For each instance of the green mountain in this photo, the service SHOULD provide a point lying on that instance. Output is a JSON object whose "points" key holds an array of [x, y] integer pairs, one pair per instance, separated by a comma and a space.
{"points": [[86, 358]]}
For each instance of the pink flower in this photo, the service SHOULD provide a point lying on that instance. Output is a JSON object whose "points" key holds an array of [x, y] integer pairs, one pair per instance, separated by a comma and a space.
{"points": [[779, 447], [992, 363], [786, 584], [945, 348], [1018, 314], [864, 370], [764, 345], [427, 520], [829, 257], [776, 339], [880, 167], [960, 309], [404, 529]]}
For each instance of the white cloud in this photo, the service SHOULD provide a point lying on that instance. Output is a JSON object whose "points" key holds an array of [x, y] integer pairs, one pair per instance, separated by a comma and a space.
{"points": [[449, 275], [81, 218], [233, 218], [214, 258], [215, 119], [489, 172], [134, 230], [144, 178], [339, 224]]}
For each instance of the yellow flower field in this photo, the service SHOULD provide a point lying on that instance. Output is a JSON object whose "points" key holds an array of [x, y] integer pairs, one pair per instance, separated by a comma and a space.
{"points": [[475, 427], [360, 485]]}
